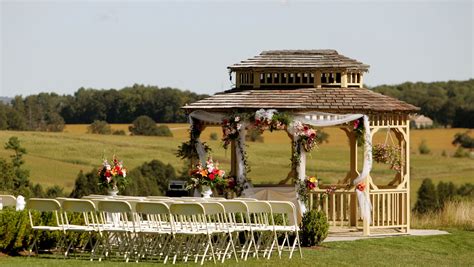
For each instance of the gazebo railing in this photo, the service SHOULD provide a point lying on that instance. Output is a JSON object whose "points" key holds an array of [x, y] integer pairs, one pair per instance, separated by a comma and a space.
{"points": [[389, 208]]}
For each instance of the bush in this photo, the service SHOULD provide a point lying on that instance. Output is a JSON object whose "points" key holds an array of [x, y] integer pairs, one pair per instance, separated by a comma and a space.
{"points": [[423, 148], [145, 125], [464, 140], [427, 197], [119, 132], [314, 228], [99, 127], [213, 136], [254, 135], [461, 153]]}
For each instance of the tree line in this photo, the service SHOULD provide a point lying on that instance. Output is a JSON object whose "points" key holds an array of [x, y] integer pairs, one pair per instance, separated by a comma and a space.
{"points": [[447, 103], [50, 111]]}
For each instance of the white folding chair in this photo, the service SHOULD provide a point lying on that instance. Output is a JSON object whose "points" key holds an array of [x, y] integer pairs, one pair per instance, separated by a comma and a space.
{"points": [[262, 223], [116, 229], [192, 237], [7, 201], [288, 225], [153, 227], [79, 217], [45, 207]]}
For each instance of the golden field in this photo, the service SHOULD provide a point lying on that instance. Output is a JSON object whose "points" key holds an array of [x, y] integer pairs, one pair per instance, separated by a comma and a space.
{"points": [[56, 158]]}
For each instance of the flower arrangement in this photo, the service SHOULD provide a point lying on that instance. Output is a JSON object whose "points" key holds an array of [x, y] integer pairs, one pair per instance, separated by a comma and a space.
{"points": [[207, 175], [308, 184], [387, 154], [270, 119], [232, 186], [360, 186], [230, 129], [113, 177], [306, 135]]}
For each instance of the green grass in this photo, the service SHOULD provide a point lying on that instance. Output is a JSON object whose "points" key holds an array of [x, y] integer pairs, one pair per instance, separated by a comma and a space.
{"points": [[454, 249], [56, 158]]}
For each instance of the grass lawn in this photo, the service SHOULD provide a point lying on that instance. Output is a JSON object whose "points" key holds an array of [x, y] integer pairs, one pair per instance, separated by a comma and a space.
{"points": [[57, 158], [454, 249]]}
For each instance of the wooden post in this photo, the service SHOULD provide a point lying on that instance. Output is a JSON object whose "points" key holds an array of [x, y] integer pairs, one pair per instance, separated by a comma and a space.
{"points": [[256, 79], [361, 82], [344, 79], [233, 158], [237, 79], [407, 156], [317, 79]]}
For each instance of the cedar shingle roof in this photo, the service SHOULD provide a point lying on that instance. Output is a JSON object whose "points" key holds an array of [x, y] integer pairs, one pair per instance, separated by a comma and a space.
{"points": [[300, 59], [335, 100]]}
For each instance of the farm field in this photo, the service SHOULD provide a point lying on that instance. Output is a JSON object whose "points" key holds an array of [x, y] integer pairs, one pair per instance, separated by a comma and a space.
{"points": [[454, 249], [57, 158]]}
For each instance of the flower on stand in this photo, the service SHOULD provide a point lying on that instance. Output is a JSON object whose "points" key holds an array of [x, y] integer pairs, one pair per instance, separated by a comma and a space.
{"points": [[113, 176], [306, 135], [206, 175]]}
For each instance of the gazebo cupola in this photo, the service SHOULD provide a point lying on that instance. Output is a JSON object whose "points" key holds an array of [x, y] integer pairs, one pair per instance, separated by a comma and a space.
{"points": [[299, 68]]}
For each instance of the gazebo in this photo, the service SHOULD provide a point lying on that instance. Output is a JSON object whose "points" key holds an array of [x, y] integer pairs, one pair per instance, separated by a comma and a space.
{"points": [[295, 90]]}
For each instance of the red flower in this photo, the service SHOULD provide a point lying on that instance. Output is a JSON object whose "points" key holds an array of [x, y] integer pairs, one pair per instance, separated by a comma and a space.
{"points": [[212, 176], [356, 124], [107, 174]]}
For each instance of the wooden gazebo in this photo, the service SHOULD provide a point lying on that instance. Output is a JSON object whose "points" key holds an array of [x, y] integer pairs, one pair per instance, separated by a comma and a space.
{"points": [[325, 85]]}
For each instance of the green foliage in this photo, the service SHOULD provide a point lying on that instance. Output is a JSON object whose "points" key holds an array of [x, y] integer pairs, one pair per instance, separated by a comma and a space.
{"points": [[118, 132], [213, 136], [254, 135], [447, 103], [427, 197], [87, 184], [145, 125], [99, 127], [464, 140], [461, 153], [423, 148], [314, 228], [322, 137]]}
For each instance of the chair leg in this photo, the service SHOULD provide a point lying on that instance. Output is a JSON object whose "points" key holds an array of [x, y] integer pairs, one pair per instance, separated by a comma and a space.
{"points": [[35, 238]]}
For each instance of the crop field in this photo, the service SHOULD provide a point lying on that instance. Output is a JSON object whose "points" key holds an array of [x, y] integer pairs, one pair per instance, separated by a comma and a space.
{"points": [[57, 158]]}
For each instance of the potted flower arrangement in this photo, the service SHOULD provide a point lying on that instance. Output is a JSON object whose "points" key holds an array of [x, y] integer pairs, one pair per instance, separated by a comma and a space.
{"points": [[231, 187], [206, 177], [113, 177]]}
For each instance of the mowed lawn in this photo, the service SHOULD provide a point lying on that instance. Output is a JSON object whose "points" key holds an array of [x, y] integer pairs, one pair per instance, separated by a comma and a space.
{"points": [[57, 158], [454, 249]]}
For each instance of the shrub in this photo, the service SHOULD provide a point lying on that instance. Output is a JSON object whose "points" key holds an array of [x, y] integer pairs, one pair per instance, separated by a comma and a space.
{"points": [[99, 127], [464, 140], [423, 148], [461, 153], [314, 228], [119, 132], [213, 136], [145, 125], [254, 135], [427, 197]]}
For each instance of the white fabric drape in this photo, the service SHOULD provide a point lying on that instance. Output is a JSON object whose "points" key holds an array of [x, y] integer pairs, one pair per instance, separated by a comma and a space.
{"points": [[318, 119]]}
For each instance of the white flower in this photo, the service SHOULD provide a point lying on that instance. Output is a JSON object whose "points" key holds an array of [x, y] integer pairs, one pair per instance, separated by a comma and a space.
{"points": [[237, 119]]}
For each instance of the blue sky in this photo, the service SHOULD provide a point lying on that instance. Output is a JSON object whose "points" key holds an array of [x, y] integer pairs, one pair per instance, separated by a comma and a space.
{"points": [[61, 46]]}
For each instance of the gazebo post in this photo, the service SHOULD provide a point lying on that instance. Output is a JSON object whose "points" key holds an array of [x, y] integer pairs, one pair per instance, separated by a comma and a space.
{"points": [[233, 159]]}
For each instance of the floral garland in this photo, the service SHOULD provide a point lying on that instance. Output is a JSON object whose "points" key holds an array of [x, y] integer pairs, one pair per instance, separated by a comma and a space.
{"points": [[307, 139], [187, 150], [308, 184], [387, 154], [271, 120], [359, 130], [231, 127]]}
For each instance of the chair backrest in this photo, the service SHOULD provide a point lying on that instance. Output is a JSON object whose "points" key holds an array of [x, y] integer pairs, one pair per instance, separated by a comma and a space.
{"points": [[286, 209], [8, 200], [44, 205], [188, 216], [117, 213], [84, 207], [190, 208], [152, 208], [260, 212]]}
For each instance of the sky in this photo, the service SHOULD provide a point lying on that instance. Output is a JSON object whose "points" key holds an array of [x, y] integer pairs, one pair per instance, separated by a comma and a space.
{"points": [[60, 46]]}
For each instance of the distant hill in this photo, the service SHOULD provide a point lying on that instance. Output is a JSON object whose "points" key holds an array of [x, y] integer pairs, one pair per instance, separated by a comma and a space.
{"points": [[447, 103], [6, 100]]}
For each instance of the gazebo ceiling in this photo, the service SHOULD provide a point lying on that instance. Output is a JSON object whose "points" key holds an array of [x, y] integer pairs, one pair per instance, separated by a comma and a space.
{"points": [[334, 100], [300, 59]]}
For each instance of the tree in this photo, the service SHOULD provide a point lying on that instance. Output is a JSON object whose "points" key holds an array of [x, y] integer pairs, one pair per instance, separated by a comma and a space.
{"points": [[21, 181], [145, 125], [99, 127], [427, 197], [86, 184]]}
